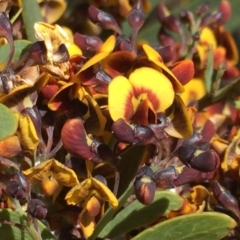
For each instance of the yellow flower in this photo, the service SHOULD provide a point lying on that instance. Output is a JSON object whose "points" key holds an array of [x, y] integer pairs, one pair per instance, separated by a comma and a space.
{"points": [[91, 195], [146, 88], [53, 176]]}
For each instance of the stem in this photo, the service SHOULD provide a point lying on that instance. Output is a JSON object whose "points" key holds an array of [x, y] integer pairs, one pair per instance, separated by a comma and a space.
{"points": [[116, 183], [220, 95], [29, 226], [110, 213]]}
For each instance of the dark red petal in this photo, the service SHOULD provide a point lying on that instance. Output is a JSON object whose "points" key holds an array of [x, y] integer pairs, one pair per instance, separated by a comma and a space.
{"points": [[123, 131], [74, 139]]}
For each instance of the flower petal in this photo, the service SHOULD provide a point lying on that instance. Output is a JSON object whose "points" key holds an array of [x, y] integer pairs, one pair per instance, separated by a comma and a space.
{"points": [[227, 41], [155, 85], [60, 101], [104, 51], [87, 223], [152, 54], [75, 139], [207, 38], [156, 58], [194, 90], [64, 175], [105, 193], [199, 194], [121, 101], [79, 193], [95, 124], [184, 71], [181, 124], [36, 174], [118, 63], [27, 133], [10, 147]]}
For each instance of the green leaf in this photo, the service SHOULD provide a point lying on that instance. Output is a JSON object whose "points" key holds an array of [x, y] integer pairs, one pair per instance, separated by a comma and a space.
{"points": [[197, 226], [14, 226], [31, 14], [8, 122], [136, 215], [208, 72], [20, 46], [108, 216], [11, 232]]}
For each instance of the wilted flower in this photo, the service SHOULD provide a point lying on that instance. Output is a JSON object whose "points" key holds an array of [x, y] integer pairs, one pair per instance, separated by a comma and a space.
{"points": [[91, 195], [52, 175]]}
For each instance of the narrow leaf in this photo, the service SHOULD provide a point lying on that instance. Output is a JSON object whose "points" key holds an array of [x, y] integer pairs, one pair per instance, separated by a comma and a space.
{"points": [[197, 226], [136, 215], [208, 73], [31, 14]]}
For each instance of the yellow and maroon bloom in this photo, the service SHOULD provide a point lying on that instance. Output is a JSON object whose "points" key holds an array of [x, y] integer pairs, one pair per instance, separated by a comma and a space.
{"points": [[53, 176], [224, 50], [91, 194], [79, 144], [146, 89]]}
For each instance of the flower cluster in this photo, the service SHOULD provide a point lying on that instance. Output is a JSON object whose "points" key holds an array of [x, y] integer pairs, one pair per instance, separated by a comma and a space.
{"points": [[85, 122]]}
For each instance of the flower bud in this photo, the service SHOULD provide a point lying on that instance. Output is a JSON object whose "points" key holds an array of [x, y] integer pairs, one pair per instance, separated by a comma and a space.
{"points": [[226, 11], [225, 198], [186, 154], [187, 17], [136, 16], [87, 43], [206, 161], [144, 185], [164, 177], [15, 190], [145, 190], [202, 10], [105, 20], [37, 209]]}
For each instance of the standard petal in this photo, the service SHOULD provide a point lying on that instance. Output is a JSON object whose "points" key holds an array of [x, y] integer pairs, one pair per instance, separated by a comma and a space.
{"points": [[150, 84], [121, 101]]}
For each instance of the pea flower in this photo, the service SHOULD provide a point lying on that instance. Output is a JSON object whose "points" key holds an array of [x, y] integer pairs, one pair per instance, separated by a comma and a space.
{"points": [[91, 195], [53, 176]]}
